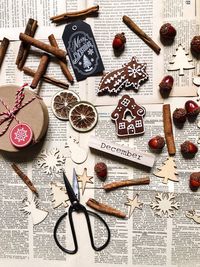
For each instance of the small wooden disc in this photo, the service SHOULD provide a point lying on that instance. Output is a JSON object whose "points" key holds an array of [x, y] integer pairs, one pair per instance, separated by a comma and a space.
{"points": [[21, 135]]}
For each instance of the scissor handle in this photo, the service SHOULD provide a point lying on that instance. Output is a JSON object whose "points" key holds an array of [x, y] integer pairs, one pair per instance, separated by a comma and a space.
{"points": [[80, 208], [87, 212], [73, 235]]}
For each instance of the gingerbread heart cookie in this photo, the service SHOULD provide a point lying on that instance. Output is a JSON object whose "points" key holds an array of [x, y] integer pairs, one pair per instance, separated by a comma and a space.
{"points": [[129, 76], [128, 117]]}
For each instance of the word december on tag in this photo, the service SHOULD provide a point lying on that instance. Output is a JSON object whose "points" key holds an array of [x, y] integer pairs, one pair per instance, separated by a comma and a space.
{"points": [[82, 50]]}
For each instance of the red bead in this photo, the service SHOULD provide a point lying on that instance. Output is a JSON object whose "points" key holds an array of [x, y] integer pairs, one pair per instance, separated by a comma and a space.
{"points": [[192, 108]]}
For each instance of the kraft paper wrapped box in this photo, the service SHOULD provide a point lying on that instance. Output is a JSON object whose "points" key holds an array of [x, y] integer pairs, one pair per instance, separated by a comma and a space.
{"points": [[31, 111]]}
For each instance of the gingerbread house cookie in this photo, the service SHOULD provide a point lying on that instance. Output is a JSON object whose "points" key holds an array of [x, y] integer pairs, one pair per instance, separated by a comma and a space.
{"points": [[128, 117], [129, 76]]}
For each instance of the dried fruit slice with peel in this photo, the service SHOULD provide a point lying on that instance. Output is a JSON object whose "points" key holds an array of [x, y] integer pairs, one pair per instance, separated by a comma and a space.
{"points": [[62, 102], [83, 116]]}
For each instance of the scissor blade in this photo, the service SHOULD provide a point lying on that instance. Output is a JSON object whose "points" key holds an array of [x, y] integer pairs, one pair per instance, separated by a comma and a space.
{"points": [[69, 189], [75, 185]]}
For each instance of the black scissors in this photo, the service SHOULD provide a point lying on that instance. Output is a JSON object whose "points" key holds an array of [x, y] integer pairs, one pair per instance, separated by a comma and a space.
{"points": [[74, 196]]}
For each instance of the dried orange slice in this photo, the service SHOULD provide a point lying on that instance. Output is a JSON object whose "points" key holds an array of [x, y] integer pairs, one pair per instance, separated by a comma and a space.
{"points": [[83, 116], [62, 102]]}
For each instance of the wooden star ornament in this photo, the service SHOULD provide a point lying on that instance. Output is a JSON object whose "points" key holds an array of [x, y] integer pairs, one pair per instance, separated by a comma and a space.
{"points": [[133, 203], [84, 179]]}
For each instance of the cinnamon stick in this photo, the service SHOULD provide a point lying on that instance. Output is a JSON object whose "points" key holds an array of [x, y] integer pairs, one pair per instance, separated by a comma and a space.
{"points": [[3, 48], [114, 185], [40, 71], [168, 129], [75, 15], [140, 33], [24, 48], [24, 178], [92, 203], [43, 46], [46, 78], [63, 64]]}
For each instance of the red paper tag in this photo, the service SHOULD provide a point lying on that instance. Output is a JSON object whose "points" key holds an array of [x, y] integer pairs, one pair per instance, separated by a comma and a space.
{"points": [[21, 135]]}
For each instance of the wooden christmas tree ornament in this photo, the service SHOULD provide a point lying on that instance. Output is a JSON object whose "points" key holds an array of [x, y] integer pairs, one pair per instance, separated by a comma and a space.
{"points": [[23, 118], [180, 61], [168, 171]]}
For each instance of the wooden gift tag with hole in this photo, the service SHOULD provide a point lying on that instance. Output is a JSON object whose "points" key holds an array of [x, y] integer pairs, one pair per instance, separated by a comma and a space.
{"points": [[121, 151]]}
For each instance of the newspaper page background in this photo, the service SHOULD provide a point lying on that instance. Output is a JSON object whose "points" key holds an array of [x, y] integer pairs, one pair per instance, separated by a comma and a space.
{"points": [[142, 240], [14, 15]]}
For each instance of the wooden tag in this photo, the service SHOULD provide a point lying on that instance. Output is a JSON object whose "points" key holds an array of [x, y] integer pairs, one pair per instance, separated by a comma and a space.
{"points": [[122, 151]]}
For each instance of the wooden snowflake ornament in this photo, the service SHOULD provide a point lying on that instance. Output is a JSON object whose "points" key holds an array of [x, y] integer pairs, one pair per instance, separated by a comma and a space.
{"points": [[129, 76], [84, 178], [51, 161], [168, 171], [133, 204], [180, 61], [164, 204]]}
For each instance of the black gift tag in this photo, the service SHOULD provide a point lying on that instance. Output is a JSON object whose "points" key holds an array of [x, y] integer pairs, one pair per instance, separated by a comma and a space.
{"points": [[82, 50]]}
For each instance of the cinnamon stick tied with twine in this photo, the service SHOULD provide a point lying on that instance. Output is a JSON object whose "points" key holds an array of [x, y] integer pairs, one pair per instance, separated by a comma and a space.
{"points": [[46, 78], [140, 33], [24, 48], [167, 123], [24, 178], [3, 48], [92, 203], [63, 64], [75, 15], [137, 181], [43, 46], [40, 71]]}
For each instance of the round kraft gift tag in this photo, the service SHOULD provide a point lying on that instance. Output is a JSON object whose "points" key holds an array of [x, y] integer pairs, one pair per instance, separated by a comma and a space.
{"points": [[21, 112], [21, 135]]}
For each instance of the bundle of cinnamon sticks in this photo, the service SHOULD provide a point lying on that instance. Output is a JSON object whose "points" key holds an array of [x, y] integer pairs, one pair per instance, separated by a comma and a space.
{"points": [[28, 40]]}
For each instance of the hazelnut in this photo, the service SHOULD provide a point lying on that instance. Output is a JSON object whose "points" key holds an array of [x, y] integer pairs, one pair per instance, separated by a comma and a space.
{"points": [[119, 41], [194, 181], [179, 115], [188, 149], [167, 33], [192, 108], [166, 85], [100, 169], [195, 45], [157, 142]]}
